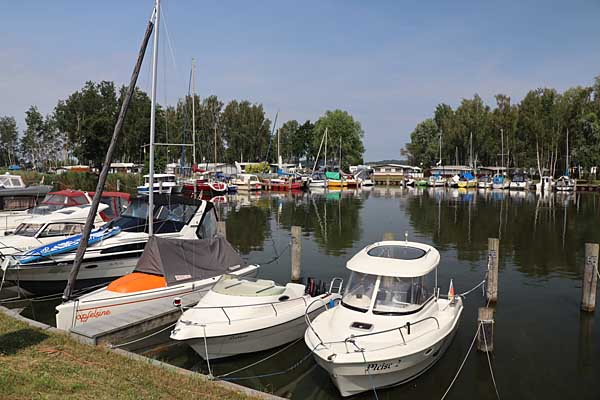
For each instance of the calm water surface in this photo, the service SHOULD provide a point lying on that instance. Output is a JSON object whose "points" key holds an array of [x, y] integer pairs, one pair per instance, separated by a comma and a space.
{"points": [[544, 346]]}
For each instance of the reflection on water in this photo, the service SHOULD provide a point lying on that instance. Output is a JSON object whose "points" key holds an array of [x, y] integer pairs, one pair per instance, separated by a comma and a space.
{"points": [[543, 348]]}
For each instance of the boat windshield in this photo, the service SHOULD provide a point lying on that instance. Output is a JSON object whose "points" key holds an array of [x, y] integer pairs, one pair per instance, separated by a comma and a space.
{"points": [[397, 295], [248, 287], [359, 291], [28, 229]]}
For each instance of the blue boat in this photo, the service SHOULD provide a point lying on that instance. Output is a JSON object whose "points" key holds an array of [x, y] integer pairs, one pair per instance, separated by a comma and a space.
{"points": [[69, 244]]}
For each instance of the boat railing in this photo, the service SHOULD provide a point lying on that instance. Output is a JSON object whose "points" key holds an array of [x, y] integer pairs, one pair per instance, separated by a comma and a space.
{"points": [[406, 326], [269, 305], [307, 317], [337, 289]]}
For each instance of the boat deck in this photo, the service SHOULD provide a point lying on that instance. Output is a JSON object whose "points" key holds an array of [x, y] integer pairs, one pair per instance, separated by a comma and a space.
{"points": [[122, 327]]}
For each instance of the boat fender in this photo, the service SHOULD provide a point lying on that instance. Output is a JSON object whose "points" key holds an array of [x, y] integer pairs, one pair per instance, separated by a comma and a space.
{"points": [[331, 303], [408, 328]]}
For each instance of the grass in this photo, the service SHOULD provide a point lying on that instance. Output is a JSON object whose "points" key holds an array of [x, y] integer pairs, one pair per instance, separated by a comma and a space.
{"points": [[36, 364]]}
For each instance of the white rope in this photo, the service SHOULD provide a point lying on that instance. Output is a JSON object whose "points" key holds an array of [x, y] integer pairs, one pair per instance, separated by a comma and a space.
{"points": [[260, 361], [463, 363], [142, 338], [210, 375], [471, 290], [487, 353], [362, 351]]}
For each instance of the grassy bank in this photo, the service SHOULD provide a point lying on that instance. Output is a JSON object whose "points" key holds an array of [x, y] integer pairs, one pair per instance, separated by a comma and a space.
{"points": [[36, 364]]}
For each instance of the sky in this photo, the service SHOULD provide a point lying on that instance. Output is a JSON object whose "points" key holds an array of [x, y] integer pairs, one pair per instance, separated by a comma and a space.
{"points": [[388, 63]]}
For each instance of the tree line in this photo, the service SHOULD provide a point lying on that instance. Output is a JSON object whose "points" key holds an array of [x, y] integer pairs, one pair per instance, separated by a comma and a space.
{"points": [[80, 127], [530, 134]]}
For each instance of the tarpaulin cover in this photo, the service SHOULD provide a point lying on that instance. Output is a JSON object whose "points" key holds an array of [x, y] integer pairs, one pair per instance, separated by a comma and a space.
{"points": [[332, 175], [468, 175], [181, 260]]}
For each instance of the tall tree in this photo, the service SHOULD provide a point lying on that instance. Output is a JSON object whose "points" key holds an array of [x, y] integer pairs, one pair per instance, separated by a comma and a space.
{"points": [[345, 137], [8, 140]]}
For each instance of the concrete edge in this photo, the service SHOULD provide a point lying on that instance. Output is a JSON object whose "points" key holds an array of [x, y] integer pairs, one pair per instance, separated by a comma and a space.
{"points": [[227, 385]]}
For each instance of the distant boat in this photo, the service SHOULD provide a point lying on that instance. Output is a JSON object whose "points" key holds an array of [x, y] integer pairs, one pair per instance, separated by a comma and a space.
{"points": [[163, 184], [436, 180], [467, 180], [317, 179], [520, 182], [545, 184], [484, 182], [500, 182], [565, 183]]}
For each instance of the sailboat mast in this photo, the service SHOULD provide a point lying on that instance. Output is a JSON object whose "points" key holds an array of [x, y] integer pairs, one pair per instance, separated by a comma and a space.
{"points": [[340, 152], [318, 153], [502, 148], [193, 111], [153, 120], [567, 164], [440, 147], [325, 148]]}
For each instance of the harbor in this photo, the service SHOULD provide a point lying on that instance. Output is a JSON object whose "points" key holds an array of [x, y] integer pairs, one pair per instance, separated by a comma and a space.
{"points": [[541, 259]]}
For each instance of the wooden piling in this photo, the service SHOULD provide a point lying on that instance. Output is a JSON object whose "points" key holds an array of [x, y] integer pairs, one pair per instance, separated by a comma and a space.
{"points": [[485, 317], [590, 277], [492, 279], [296, 252], [118, 185], [389, 236], [222, 229]]}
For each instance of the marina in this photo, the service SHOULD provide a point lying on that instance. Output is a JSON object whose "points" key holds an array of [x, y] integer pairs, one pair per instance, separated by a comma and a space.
{"points": [[541, 260]]}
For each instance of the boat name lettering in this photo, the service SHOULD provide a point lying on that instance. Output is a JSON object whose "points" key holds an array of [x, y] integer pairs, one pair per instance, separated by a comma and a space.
{"points": [[92, 314], [379, 366]]}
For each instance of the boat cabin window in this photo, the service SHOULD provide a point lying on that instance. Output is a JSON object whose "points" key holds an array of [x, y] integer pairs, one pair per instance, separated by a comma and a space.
{"points": [[400, 295], [208, 224], [28, 229], [61, 229], [359, 291], [398, 252]]}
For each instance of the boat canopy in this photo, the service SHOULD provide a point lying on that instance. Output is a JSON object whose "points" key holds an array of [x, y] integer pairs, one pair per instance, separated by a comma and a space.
{"points": [[332, 175], [468, 175], [395, 258], [182, 260]]}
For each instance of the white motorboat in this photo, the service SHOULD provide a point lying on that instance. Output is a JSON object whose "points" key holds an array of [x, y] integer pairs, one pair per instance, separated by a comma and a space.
{"points": [[12, 186], [317, 179], [168, 269], [409, 182], [520, 182], [174, 217], [392, 324], [546, 184], [565, 184], [484, 182], [54, 201], [44, 229], [247, 182], [453, 181], [500, 182], [240, 316], [163, 184], [436, 180]]}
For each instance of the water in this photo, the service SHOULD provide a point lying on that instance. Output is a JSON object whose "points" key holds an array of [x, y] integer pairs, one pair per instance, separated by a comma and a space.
{"points": [[544, 346]]}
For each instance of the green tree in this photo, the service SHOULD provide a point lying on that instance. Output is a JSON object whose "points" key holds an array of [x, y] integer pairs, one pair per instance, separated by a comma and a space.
{"points": [[423, 146], [8, 140], [345, 137]]}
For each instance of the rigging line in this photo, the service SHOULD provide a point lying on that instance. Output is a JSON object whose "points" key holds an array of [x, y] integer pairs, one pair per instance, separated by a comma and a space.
{"points": [[114, 346], [463, 362], [487, 353], [164, 21], [260, 361]]}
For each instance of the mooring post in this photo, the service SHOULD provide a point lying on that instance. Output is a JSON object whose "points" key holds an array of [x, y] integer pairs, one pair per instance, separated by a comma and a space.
{"points": [[387, 180], [590, 277], [389, 236], [296, 252], [118, 185], [485, 337], [492, 278], [222, 229]]}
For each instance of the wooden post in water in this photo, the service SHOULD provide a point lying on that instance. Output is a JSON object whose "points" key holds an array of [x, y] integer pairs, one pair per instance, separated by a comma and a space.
{"points": [[296, 252], [118, 185], [492, 279], [590, 277], [389, 236], [485, 317], [222, 229]]}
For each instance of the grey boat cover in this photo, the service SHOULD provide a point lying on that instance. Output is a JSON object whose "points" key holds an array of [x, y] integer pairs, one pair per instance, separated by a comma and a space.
{"points": [[182, 260]]}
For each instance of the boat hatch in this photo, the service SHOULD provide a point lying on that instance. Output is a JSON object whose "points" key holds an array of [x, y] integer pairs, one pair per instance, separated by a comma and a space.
{"points": [[397, 252], [361, 325]]}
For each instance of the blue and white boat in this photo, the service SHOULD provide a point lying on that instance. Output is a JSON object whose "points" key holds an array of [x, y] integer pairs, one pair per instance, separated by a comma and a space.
{"points": [[500, 182]]}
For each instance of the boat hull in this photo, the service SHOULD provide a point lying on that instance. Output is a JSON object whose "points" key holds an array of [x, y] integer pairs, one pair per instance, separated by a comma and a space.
{"points": [[250, 342], [351, 379]]}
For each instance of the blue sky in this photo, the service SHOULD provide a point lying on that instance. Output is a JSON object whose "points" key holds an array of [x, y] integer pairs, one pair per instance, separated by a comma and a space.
{"points": [[388, 63]]}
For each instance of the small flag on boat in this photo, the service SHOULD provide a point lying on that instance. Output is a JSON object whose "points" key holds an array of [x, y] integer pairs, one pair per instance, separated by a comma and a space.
{"points": [[451, 291]]}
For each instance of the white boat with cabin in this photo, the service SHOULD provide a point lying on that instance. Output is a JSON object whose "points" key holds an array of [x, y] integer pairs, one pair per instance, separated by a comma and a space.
{"points": [[565, 184], [546, 184], [168, 269], [392, 324], [163, 184], [239, 316], [175, 217], [247, 182]]}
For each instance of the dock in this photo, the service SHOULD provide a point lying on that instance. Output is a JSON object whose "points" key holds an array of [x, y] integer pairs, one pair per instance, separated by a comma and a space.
{"points": [[132, 324]]}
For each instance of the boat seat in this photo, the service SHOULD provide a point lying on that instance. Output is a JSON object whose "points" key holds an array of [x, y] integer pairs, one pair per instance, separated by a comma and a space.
{"points": [[137, 281]]}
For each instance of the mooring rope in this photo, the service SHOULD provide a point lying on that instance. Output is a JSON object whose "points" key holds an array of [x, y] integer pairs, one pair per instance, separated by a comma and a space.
{"points": [[262, 360], [362, 351], [114, 346], [210, 375], [471, 290], [487, 353], [463, 362]]}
